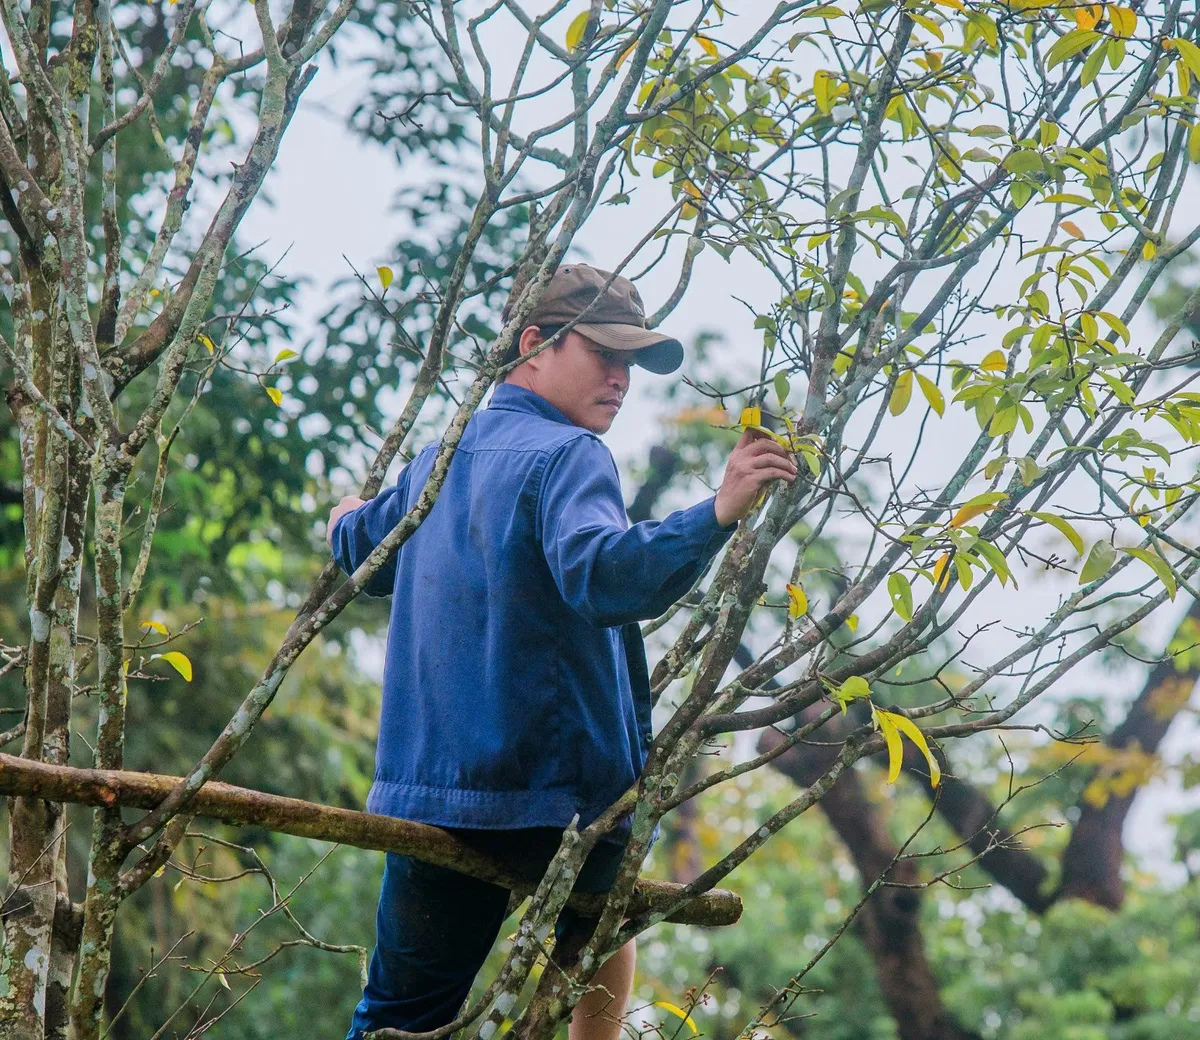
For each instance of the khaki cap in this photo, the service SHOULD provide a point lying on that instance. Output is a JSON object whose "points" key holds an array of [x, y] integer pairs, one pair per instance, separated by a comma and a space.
{"points": [[616, 317]]}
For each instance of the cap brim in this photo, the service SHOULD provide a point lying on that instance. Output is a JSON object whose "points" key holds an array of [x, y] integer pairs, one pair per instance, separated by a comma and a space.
{"points": [[653, 351]]}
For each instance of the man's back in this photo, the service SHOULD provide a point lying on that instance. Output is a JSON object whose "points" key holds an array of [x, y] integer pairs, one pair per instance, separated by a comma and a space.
{"points": [[515, 692]]}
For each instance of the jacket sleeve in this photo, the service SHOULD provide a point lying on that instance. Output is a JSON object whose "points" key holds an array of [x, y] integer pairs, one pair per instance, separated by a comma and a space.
{"points": [[358, 532], [608, 572]]}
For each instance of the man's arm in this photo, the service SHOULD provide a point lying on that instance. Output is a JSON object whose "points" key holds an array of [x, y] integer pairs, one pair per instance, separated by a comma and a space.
{"points": [[356, 527], [612, 574]]}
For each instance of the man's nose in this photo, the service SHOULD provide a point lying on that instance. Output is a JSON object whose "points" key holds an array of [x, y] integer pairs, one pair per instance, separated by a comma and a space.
{"points": [[618, 377]]}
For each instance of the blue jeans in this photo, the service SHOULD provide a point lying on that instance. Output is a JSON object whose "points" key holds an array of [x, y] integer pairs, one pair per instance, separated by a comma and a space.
{"points": [[435, 927]]}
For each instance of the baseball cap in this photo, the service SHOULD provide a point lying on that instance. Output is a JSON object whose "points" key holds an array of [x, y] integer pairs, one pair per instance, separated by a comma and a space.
{"points": [[616, 317]]}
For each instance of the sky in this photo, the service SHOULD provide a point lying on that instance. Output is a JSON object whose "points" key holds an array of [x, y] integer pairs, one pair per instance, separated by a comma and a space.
{"points": [[322, 225]]}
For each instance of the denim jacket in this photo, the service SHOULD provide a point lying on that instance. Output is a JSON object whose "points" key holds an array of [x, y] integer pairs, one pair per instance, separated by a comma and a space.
{"points": [[515, 690]]}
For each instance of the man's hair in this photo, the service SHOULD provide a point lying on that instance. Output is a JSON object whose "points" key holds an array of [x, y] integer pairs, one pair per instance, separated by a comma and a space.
{"points": [[545, 331]]}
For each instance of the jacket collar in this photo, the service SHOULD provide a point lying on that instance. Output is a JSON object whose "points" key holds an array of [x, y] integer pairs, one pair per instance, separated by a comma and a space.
{"points": [[513, 398]]}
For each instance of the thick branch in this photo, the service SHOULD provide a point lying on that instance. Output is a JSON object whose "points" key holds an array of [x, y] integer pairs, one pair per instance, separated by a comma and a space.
{"points": [[241, 806]]}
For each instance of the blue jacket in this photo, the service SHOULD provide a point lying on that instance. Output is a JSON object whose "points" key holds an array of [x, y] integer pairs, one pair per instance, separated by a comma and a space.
{"points": [[515, 689]]}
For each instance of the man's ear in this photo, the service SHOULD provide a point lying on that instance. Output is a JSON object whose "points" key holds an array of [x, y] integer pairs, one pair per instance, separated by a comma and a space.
{"points": [[531, 339]]}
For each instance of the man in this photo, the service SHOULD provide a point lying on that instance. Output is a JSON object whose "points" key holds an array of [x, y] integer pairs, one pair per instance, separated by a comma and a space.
{"points": [[515, 691]]}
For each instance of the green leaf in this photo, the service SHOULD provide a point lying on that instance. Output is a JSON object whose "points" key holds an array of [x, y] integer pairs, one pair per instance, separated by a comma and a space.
{"points": [[932, 394], [1157, 564], [901, 393], [385, 276], [1098, 563], [900, 590], [576, 29], [1069, 45], [1024, 161], [1115, 323], [1062, 527], [1194, 144], [988, 130], [782, 387], [995, 559]]}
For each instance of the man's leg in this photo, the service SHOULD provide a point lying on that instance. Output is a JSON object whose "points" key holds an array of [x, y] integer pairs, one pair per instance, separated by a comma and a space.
{"points": [[434, 929], [599, 1014]]}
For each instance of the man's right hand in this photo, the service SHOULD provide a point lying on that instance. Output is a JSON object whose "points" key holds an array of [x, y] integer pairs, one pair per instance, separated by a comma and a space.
{"points": [[755, 461], [344, 506]]}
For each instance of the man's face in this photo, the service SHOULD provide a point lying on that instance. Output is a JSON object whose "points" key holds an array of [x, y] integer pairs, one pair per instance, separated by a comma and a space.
{"points": [[583, 380]]}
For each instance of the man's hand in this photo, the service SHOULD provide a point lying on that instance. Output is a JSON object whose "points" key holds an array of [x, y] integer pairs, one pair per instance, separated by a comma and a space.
{"points": [[755, 461], [344, 506]]}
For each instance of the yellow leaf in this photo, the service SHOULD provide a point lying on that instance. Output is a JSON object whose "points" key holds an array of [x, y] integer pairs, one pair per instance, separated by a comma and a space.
{"points": [[1088, 17], [1149, 250], [1123, 21], [385, 276], [626, 52], [822, 87], [275, 394], [895, 748], [285, 355], [576, 30], [889, 722], [1194, 143], [751, 417], [797, 600], [852, 622], [901, 393], [941, 572], [178, 661], [968, 513], [678, 1012], [205, 342], [932, 394], [222, 980], [994, 362], [158, 626], [707, 45], [1071, 228]]}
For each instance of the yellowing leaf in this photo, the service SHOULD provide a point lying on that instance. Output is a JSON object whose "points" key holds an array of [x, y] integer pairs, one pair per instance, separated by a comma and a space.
{"points": [[1123, 21], [205, 342], [385, 276], [941, 572], [178, 661], [1194, 143], [901, 393], [932, 394], [285, 355], [852, 622], [1190, 54], [751, 417], [626, 52], [1157, 564], [1088, 17], [1071, 228], [707, 45], [157, 626], [1149, 250], [797, 601], [891, 725], [678, 1012], [853, 689], [576, 30], [275, 394], [994, 362], [822, 87]]}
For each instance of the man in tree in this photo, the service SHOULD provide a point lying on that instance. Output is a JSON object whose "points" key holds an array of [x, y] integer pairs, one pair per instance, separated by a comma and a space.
{"points": [[515, 693]]}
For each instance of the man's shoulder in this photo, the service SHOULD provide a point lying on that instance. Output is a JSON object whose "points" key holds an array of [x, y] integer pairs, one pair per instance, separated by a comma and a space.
{"points": [[506, 431]]}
